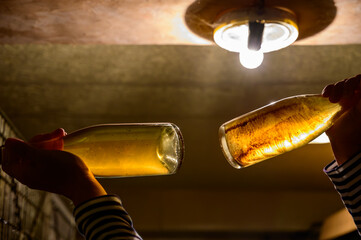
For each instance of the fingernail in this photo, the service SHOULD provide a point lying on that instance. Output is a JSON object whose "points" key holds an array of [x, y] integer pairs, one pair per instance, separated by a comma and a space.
{"points": [[59, 132]]}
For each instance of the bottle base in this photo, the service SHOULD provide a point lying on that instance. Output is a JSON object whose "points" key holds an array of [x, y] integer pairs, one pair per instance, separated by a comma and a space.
{"points": [[225, 149]]}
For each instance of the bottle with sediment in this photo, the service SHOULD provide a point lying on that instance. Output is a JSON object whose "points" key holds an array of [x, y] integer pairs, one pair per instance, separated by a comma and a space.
{"points": [[276, 128], [122, 150], [126, 150]]}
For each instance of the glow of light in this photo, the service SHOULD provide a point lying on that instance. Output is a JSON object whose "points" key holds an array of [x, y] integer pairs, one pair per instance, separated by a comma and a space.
{"points": [[232, 38], [299, 138], [278, 36], [321, 139], [268, 150], [251, 59], [232, 33], [181, 31], [287, 144], [303, 136]]}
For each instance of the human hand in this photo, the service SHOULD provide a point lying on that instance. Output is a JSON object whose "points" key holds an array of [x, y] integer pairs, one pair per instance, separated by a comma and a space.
{"points": [[50, 141], [41, 165], [345, 134]]}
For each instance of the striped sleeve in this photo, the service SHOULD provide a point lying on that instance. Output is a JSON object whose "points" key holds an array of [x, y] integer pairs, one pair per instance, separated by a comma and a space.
{"points": [[104, 218], [346, 179]]}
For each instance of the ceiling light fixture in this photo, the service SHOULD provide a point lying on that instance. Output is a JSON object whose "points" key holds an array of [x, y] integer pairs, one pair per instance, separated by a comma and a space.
{"points": [[254, 31]]}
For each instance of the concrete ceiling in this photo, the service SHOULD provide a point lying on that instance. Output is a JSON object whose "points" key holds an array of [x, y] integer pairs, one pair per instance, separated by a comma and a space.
{"points": [[116, 78], [159, 21]]}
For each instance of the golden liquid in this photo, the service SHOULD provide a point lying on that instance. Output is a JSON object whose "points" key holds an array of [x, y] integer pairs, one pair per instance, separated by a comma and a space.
{"points": [[276, 128], [128, 150]]}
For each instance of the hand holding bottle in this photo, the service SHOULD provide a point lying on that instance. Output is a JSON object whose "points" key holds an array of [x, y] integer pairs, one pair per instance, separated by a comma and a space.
{"points": [[345, 134], [40, 165]]}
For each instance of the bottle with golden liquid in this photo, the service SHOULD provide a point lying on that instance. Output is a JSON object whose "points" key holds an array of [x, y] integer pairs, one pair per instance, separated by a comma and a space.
{"points": [[122, 150], [276, 128], [126, 150]]}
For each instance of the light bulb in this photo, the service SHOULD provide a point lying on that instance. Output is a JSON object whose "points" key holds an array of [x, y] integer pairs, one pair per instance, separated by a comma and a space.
{"points": [[251, 59], [232, 31]]}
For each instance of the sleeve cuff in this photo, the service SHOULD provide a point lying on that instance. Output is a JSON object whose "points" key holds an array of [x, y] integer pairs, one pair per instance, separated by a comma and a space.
{"points": [[93, 201], [104, 217], [333, 169]]}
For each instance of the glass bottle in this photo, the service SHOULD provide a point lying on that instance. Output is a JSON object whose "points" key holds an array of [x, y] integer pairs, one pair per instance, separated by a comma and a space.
{"points": [[276, 128], [125, 150], [122, 150]]}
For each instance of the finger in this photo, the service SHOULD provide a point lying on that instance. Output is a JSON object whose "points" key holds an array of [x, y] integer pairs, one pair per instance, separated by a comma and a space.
{"points": [[351, 89], [21, 161], [15, 154], [337, 92], [56, 134], [327, 91], [50, 141], [352, 85]]}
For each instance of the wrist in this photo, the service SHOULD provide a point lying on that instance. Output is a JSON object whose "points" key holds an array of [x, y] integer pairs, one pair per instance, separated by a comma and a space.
{"points": [[85, 189], [344, 136], [344, 150]]}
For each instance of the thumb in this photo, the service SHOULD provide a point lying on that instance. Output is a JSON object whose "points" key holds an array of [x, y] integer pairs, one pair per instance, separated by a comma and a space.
{"points": [[50, 141], [56, 134]]}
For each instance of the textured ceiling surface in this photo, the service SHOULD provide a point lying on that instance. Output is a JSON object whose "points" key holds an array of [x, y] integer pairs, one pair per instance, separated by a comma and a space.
{"points": [[140, 63], [155, 21]]}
